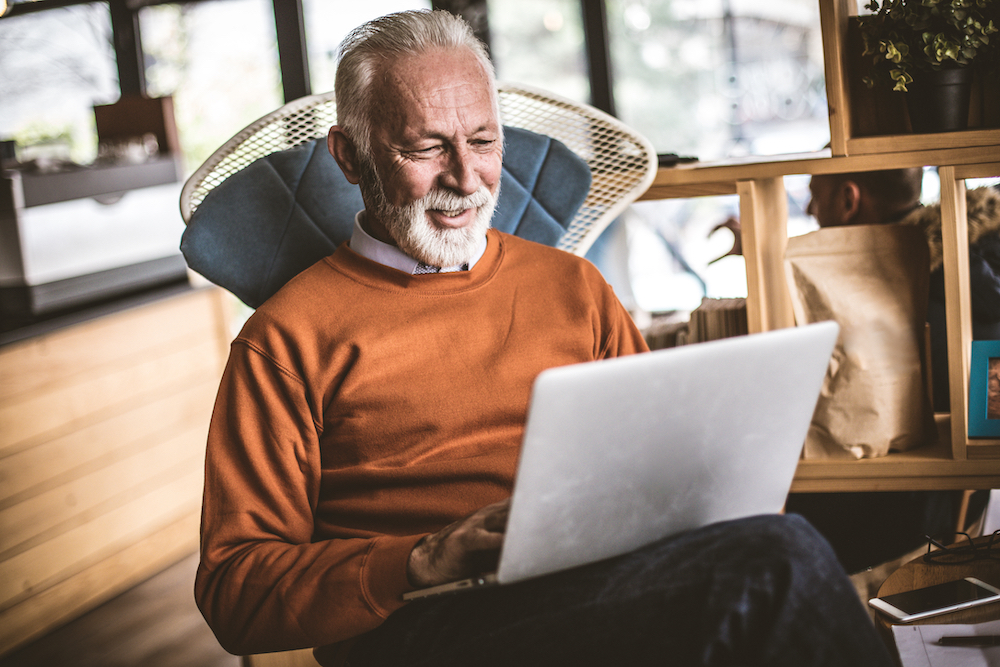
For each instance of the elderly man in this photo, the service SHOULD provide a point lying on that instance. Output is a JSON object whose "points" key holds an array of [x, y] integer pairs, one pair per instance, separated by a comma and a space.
{"points": [[367, 426]]}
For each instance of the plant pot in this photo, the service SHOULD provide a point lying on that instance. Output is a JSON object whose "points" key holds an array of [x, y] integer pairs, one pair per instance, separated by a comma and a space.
{"points": [[938, 100]]}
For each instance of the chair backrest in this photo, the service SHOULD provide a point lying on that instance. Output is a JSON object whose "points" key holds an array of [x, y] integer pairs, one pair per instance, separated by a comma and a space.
{"points": [[622, 162], [561, 188]]}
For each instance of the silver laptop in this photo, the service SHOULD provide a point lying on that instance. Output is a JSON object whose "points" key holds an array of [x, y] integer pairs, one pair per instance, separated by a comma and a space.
{"points": [[623, 452]]}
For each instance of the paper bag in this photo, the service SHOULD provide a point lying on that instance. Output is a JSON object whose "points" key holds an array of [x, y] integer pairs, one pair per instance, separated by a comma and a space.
{"points": [[873, 281]]}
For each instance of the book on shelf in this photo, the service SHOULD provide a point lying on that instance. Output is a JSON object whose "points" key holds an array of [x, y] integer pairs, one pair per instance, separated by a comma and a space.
{"points": [[711, 320]]}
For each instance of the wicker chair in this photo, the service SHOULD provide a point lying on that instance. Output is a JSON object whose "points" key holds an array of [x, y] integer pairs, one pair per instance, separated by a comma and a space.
{"points": [[622, 162]]}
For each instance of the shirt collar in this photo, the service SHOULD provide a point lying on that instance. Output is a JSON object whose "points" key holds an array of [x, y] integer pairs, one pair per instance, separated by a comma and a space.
{"points": [[389, 255]]}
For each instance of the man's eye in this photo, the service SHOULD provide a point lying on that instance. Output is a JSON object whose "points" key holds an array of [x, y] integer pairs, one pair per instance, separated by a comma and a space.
{"points": [[423, 152]]}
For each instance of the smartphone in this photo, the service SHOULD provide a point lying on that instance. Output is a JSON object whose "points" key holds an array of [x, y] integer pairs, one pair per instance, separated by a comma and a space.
{"points": [[938, 599]]}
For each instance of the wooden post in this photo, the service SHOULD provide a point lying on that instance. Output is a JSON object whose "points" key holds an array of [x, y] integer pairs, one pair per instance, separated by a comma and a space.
{"points": [[958, 308], [833, 16], [764, 225]]}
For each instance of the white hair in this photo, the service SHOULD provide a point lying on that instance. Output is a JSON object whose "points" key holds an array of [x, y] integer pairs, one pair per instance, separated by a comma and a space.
{"points": [[380, 42]]}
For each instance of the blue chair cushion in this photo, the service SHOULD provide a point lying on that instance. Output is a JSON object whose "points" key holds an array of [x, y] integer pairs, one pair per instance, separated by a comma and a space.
{"points": [[288, 210]]}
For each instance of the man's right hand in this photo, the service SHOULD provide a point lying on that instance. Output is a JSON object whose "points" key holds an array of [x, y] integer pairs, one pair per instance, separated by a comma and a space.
{"points": [[463, 549], [731, 223]]}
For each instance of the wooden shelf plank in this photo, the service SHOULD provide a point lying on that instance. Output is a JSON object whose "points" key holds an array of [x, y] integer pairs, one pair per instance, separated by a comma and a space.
{"points": [[981, 450], [981, 170], [920, 469], [718, 177], [941, 142], [925, 468]]}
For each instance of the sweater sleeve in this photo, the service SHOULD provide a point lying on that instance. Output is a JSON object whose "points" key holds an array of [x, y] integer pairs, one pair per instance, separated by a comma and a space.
{"points": [[622, 335], [263, 584]]}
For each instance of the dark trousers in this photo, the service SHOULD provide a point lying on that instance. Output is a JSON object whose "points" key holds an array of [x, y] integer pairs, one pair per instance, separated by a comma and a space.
{"points": [[760, 591]]}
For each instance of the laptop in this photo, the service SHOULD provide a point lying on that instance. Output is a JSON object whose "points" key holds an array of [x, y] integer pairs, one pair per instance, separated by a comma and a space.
{"points": [[620, 453]]}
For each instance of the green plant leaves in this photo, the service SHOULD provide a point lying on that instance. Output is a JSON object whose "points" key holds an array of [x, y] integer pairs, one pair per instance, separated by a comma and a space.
{"points": [[906, 35]]}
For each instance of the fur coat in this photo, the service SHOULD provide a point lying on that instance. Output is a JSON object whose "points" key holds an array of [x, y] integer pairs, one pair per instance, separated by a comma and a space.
{"points": [[984, 221], [983, 209]]}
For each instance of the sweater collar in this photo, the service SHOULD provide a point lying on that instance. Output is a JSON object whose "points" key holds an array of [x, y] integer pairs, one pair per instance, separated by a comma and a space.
{"points": [[361, 269], [371, 248]]}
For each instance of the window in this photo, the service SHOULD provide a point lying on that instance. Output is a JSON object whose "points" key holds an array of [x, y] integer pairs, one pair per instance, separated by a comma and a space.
{"points": [[540, 43], [711, 79], [715, 78], [327, 23], [56, 66], [219, 61]]}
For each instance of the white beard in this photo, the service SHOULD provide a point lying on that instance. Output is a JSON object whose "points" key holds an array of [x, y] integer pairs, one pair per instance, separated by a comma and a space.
{"points": [[410, 227], [418, 237]]}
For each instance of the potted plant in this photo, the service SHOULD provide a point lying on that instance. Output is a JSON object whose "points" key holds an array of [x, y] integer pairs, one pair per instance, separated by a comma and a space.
{"points": [[926, 48]]}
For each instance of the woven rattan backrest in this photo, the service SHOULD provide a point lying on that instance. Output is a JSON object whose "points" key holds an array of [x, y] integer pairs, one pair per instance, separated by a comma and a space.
{"points": [[291, 125], [622, 162]]}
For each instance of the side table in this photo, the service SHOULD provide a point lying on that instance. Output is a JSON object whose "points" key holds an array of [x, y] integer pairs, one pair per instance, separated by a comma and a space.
{"points": [[918, 574]]}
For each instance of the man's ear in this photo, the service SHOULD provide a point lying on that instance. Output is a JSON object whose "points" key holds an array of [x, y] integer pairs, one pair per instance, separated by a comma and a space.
{"points": [[848, 201], [343, 151]]}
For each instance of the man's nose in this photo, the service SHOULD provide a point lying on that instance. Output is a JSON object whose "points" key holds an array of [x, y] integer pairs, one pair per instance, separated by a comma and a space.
{"points": [[460, 174]]}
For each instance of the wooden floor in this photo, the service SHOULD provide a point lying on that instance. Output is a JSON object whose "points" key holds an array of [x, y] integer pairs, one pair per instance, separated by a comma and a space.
{"points": [[155, 624]]}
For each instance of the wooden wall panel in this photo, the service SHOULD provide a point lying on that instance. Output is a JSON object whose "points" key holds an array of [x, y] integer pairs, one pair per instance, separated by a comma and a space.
{"points": [[76, 351], [80, 451], [76, 595], [117, 387], [74, 501], [102, 436]]}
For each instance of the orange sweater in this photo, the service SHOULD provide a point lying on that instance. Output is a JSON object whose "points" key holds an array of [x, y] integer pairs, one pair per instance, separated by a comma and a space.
{"points": [[363, 408]]}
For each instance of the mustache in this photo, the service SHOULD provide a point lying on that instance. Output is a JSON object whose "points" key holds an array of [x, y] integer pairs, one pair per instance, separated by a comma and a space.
{"points": [[443, 200]]}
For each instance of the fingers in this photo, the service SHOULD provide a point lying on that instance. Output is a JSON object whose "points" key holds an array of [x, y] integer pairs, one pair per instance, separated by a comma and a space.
{"points": [[494, 517], [460, 550]]}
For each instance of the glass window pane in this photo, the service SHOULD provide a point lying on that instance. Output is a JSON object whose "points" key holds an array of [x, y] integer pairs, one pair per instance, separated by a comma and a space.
{"points": [[712, 79], [56, 66], [327, 23], [716, 78], [219, 61], [540, 43]]}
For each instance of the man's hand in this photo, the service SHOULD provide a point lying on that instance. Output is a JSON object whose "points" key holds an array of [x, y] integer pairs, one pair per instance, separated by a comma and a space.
{"points": [[466, 548], [732, 224]]}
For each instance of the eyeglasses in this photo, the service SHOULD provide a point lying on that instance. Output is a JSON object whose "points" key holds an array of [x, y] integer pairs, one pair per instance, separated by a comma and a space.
{"points": [[963, 550]]}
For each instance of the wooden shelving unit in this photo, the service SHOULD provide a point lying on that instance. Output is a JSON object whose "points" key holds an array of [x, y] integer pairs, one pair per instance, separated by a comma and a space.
{"points": [[957, 461]]}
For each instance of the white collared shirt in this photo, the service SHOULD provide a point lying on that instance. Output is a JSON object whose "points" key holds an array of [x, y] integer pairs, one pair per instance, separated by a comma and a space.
{"points": [[371, 248]]}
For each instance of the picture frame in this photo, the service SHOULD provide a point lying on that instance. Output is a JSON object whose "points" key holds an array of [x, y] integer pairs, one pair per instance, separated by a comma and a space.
{"points": [[984, 389]]}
